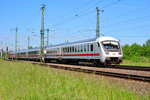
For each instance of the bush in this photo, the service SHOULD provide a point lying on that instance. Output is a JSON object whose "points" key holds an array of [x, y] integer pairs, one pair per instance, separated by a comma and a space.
{"points": [[137, 53]]}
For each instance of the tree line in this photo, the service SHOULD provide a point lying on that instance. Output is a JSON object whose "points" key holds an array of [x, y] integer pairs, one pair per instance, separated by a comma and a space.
{"points": [[136, 52]]}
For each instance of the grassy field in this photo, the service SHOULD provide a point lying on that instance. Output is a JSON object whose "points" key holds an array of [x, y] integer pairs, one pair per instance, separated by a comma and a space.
{"points": [[127, 62], [24, 81]]}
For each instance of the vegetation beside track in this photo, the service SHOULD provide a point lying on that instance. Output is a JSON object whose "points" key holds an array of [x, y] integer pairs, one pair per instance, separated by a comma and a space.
{"points": [[137, 53], [27, 81], [131, 63]]}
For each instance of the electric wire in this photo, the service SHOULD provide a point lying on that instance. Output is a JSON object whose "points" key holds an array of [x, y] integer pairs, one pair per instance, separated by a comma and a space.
{"points": [[132, 28], [129, 20], [125, 14]]}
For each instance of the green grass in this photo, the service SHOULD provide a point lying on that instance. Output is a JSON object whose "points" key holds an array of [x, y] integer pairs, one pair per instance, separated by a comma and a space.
{"points": [[128, 62], [24, 81]]}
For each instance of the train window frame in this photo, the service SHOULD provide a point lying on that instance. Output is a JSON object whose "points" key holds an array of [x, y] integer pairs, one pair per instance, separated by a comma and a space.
{"points": [[85, 47], [111, 50], [81, 48], [78, 48], [91, 47], [88, 47], [98, 44], [75, 48], [70, 49], [32, 53], [62, 49], [66, 50]]}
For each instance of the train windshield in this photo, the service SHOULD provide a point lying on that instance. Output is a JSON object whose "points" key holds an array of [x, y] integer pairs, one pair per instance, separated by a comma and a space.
{"points": [[112, 46]]}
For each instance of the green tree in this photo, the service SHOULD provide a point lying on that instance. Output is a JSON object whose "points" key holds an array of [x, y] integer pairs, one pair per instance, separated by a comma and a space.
{"points": [[148, 42], [126, 51]]}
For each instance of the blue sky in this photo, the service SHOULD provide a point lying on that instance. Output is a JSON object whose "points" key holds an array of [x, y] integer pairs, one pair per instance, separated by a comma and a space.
{"points": [[72, 20]]}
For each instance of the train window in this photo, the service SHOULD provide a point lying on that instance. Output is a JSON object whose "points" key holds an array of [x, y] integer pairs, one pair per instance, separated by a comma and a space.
{"points": [[84, 48], [63, 50], [67, 49], [81, 48], [91, 47], [78, 48], [72, 49], [98, 44], [75, 48], [55, 50], [32, 52], [23, 53], [49, 51], [88, 47]]}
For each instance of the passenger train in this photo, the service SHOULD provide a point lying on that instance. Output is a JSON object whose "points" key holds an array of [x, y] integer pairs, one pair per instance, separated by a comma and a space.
{"points": [[101, 51]]}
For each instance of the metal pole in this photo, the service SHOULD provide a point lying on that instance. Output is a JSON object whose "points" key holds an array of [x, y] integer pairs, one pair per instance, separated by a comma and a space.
{"points": [[28, 42], [98, 23], [16, 44], [47, 37], [97, 26], [1, 49], [42, 35]]}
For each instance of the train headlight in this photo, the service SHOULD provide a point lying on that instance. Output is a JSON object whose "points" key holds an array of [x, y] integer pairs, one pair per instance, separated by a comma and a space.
{"points": [[120, 53]]}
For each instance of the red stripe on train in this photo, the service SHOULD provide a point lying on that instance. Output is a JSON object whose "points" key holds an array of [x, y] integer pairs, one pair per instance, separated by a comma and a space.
{"points": [[58, 55], [95, 54]]}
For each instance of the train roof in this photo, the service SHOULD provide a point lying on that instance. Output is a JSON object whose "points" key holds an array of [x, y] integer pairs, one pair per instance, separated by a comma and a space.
{"points": [[80, 41], [34, 49], [99, 39]]}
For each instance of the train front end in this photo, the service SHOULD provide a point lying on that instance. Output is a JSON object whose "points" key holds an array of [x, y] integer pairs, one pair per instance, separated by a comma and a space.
{"points": [[111, 51]]}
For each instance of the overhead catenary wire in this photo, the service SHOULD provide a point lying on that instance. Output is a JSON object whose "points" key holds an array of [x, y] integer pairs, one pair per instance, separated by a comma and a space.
{"points": [[118, 23], [108, 5], [72, 11], [125, 14], [126, 29], [125, 21], [30, 20], [133, 36], [86, 13], [111, 18]]}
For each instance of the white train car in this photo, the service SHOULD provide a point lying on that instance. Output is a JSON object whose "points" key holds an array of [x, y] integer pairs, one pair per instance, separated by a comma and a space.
{"points": [[31, 54], [102, 50]]}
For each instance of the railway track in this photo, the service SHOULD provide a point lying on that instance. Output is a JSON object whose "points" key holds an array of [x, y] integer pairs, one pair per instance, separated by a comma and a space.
{"points": [[138, 68], [120, 73], [101, 72]]}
